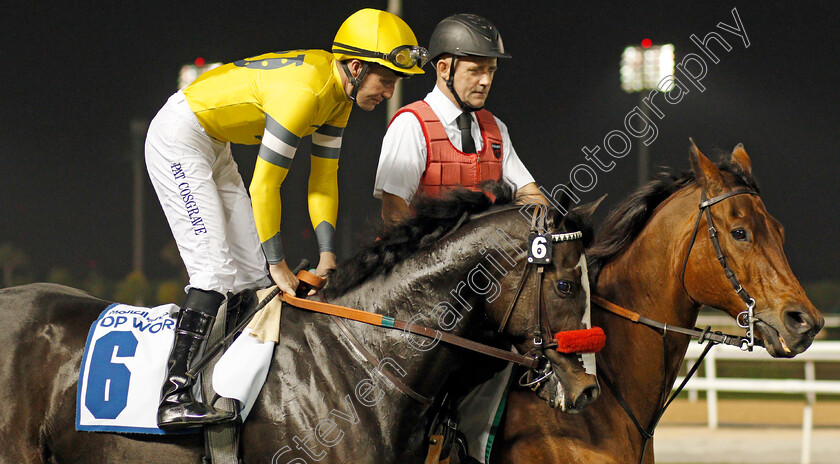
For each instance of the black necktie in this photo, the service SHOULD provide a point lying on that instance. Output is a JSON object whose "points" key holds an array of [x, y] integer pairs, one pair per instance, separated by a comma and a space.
{"points": [[465, 124]]}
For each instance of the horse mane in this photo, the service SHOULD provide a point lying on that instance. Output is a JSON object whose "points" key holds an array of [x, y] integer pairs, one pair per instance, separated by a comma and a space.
{"points": [[433, 219], [627, 220]]}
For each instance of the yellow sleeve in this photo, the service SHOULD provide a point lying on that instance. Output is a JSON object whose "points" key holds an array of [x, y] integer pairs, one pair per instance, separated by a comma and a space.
{"points": [[286, 121], [323, 185]]}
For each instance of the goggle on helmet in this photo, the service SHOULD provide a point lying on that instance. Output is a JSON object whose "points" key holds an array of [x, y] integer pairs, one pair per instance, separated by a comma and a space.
{"points": [[403, 57]]}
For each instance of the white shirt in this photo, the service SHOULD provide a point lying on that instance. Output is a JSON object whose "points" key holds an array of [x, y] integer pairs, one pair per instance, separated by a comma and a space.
{"points": [[403, 157]]}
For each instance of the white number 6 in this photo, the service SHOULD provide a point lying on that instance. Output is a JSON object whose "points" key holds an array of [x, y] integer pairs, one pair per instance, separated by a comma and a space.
{"points": [[538, 249]]}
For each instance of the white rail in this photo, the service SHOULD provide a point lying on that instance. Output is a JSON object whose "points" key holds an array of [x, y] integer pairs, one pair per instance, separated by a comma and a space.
{"points": [[809, 386]]}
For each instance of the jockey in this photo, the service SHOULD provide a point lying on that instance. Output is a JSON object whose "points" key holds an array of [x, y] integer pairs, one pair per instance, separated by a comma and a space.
{"points": [[465, 49], [416, 156], [274, 100]]}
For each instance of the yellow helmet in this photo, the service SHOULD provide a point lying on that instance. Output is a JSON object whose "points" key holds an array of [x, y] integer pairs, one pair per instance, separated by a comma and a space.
{"points": [[380, 37]]}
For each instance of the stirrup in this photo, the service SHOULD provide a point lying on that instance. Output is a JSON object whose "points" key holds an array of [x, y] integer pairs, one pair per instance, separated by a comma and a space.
{"points": [[180, 419], [237, 407]]}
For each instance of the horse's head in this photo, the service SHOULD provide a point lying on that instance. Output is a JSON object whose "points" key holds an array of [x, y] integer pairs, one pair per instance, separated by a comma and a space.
{"points": [[545, 301], [750, 244]]}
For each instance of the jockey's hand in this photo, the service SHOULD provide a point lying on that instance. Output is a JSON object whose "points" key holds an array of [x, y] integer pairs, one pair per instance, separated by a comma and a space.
{"points": [[326, 264], [283, 277]]}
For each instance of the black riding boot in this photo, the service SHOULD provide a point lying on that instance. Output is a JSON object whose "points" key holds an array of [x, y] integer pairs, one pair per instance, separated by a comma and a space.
{"points": [[178, 409], [238, 306]]}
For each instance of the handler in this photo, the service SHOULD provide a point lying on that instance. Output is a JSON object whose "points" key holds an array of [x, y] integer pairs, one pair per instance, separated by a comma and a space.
{"points": [[448, 140], [416, 156], [273, 100]]}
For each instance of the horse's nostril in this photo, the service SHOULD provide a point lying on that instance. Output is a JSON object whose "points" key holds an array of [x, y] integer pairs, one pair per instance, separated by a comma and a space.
{"points": [[798, 321], [588, 395]]}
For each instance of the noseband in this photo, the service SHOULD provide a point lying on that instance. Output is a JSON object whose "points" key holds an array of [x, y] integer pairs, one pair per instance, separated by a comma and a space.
{"points": [[746, 319]]}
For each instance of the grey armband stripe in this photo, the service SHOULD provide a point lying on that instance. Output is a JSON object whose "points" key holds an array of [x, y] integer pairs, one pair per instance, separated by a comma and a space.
{"points": [[325, 152], [278, 144], [273, 157], [326, 142], [277, 130], [330, 131], [325, 233], [273, 249]]}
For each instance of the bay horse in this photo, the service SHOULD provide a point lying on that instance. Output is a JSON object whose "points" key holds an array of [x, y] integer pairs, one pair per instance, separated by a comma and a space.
{"points": [[649, 258], [337, 391]]}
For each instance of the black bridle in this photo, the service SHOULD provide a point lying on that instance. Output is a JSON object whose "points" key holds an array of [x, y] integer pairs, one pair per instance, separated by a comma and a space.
{"points": [[542, 335], [746, 319]]}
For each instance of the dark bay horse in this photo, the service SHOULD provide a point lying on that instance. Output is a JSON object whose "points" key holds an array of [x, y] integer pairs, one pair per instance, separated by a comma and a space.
{"points": [[641, 253], [332, 393]]}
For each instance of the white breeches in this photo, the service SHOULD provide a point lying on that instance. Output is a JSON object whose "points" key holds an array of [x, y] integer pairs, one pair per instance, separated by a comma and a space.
{"points": [[205, 201]]}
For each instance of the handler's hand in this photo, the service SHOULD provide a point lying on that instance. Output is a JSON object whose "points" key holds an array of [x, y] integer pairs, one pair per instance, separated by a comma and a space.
{"points": [[283, 277]]}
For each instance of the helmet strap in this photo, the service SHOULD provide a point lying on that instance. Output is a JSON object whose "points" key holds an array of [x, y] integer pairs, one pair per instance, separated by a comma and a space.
{"points": [[450, 84], [356, 82]]}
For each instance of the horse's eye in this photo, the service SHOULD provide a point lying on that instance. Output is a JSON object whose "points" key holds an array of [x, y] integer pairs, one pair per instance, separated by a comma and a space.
{"points": [[564, 287], [739, 234]]}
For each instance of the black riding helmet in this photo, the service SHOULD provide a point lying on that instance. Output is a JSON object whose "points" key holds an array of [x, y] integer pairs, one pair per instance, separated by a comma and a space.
{"points": [[465, 35]]}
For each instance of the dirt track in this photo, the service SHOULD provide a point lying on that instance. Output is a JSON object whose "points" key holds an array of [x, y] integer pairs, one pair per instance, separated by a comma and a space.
{"points": [[753, 412], [750, 432]]}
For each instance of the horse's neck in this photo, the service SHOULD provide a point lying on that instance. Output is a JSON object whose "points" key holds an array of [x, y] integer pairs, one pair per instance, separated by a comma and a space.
{"points": [[413, 291], [646, 278]]}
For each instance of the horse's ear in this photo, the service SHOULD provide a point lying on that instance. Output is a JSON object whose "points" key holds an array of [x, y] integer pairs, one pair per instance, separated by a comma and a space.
{"points": [[705, 171], [588, 209], [564, 201], [554, 217], [741, 158]]}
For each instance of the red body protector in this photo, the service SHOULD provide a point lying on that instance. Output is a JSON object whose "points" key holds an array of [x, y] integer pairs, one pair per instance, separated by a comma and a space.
{"points": [[448, 167]]}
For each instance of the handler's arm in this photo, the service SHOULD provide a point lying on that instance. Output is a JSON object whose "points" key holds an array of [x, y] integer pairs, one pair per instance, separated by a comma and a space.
{"points": [[394, 209], [402, 162], [530, 193]]}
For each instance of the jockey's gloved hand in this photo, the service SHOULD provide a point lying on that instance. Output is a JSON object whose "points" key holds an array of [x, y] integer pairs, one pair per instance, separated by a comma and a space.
{"points": [[283, 277]]}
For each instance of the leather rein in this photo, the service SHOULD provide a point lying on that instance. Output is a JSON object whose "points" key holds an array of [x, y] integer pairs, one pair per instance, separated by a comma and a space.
{"points": [[539, 368], [745, 319]]}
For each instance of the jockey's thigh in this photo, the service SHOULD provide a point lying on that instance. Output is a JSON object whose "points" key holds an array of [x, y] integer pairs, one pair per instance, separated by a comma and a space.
{"points": [[180, 157], [243, 241]]}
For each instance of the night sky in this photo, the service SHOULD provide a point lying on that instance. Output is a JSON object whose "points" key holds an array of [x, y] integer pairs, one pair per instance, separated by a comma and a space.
{"points": [[74, 74]]}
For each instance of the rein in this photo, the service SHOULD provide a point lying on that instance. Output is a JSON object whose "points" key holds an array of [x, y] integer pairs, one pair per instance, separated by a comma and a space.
{"points": [[745, 319], [390, 323], [702, 335], [366, 317], [538, 367]]}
